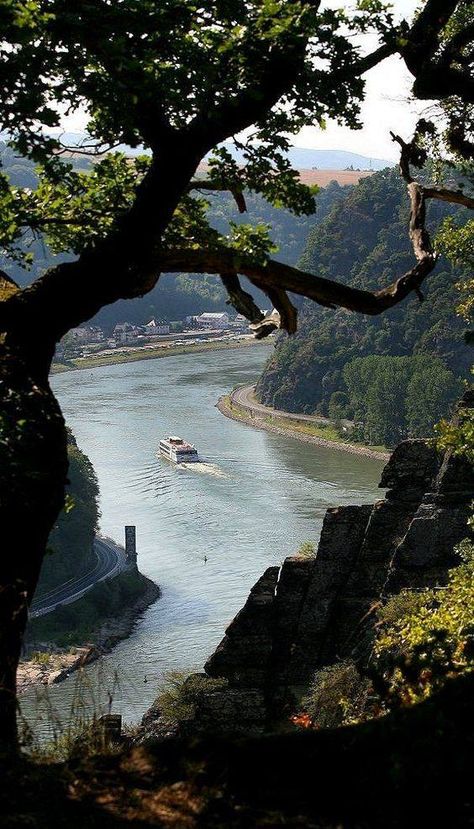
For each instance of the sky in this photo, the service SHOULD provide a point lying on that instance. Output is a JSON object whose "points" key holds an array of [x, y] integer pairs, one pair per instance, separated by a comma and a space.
{"points": [[387, 105]]}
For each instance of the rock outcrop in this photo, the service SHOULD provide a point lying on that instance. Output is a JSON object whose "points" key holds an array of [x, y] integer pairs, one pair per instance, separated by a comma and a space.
{"points": [[314, 611]]}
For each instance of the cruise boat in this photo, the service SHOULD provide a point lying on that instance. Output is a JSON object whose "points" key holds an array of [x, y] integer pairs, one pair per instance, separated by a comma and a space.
{"points": [[178, 450]]}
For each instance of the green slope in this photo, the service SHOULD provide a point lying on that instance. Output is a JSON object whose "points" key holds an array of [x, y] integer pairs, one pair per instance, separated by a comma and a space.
{"points": [[364, 242]]}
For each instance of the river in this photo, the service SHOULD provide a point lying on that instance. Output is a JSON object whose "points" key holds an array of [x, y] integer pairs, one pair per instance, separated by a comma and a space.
{"points": [[258, 497]]}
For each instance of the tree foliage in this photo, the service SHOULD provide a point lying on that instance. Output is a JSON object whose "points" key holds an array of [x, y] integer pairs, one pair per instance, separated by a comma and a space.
{"points": [[393, 398], [431, 641], [178, 78]]}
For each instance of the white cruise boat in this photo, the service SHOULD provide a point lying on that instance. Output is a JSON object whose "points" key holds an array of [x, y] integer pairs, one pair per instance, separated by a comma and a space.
{"points": [[178, 450]]}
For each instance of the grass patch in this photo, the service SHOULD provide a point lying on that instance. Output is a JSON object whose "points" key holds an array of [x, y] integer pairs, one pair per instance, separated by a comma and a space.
{"points": [[326, 432]]}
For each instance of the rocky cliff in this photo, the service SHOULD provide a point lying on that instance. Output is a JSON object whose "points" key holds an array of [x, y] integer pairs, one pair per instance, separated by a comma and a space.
{"points": [[314, 611]]}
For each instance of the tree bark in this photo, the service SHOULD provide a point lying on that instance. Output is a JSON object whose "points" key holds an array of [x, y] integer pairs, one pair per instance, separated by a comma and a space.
{"points": [[33, 442], [33, 460]]}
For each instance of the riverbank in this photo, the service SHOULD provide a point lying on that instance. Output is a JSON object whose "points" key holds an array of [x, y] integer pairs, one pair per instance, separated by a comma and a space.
{"points": [[153, 352], [48, 665], [316, 431]]}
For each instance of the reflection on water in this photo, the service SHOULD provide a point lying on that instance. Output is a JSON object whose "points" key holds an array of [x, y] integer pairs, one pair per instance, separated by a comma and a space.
{"points": [[261, 496]]}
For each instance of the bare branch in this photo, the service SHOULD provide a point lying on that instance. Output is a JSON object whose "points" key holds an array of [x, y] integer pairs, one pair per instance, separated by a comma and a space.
{"points": [[411, 153], [419, 236], [90, 150], [217, 186], [374, 58], [240, 299], [273, 274], [407, 156], [452, 196], [286, 309]]}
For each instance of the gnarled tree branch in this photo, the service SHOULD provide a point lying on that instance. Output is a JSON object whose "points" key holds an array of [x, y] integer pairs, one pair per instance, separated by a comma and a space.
{"points": [[276, 275], [217, 187], [288, 315], [242, 301], [452, 196]]}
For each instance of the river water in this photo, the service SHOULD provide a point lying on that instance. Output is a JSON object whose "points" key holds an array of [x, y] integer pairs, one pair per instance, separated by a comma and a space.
{"points": [[254, 501]]}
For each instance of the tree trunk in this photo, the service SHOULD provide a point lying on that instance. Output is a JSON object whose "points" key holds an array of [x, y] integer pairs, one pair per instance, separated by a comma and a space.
{"points": [[33, 442], [33, 463]]}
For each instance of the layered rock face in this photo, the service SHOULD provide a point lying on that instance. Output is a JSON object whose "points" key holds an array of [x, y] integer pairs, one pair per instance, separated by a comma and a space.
{"points": [[315, 611]]}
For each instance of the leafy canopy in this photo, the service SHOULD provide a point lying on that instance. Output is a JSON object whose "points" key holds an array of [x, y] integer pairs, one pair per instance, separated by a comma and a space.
{"points": [[148, 71], [178, 78]]}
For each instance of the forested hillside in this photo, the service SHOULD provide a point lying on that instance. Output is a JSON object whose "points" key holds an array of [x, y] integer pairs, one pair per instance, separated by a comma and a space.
{"points": [[70, 551], [179, 295], [364, 242]]}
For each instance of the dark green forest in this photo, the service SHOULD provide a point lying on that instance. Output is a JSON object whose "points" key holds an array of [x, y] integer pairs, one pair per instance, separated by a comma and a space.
{"points": [[364, 242], [70, 546]]}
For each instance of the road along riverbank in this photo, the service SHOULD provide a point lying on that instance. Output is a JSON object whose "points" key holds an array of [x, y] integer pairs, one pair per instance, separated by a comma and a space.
{"points": [[45, 664], [242, 406], [111, 560]]}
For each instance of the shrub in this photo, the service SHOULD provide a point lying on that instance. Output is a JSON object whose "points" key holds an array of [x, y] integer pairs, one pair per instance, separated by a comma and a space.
{"points": [[417, 651], [337, 695], [178, 701], [306, 550], [402, 605]]}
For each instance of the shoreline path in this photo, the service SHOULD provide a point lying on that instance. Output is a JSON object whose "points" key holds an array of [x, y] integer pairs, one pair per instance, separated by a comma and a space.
{"points": [[244, 396], [259, 416]]}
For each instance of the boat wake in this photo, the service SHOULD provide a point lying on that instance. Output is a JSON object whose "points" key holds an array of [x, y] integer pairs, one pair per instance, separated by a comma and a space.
{"points": [[204, 468]]}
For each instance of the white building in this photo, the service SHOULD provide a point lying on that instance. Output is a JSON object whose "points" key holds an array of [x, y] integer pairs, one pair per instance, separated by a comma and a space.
{"points": [[213, 320], [154, 328]]}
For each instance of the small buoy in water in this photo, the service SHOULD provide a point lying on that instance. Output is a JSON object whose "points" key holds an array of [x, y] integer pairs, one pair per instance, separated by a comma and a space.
{"points": [[145, 680], [205, 559]]}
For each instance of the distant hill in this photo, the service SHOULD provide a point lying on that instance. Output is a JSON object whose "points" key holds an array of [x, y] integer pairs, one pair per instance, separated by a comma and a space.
{"points": [[302, 158], [305, 159]]}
